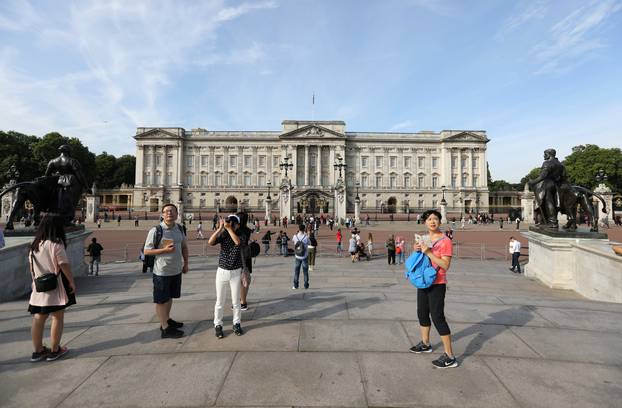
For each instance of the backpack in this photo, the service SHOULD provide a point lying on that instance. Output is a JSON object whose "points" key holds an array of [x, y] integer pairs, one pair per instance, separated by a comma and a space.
{"points": [[255, 249], [419, 270], [157, 238], [300, 248]]}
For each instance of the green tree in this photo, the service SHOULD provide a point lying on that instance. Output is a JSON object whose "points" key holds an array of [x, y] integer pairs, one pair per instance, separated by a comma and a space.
{"points": [[585, 161], [500, 185], [46, 148], [535, 172], [125, 170], [105, 166], [16, 149]]}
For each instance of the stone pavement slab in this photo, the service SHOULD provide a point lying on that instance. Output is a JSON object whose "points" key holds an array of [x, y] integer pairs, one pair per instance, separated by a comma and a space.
{"points": [[43, 384], [182, 379], [545, 383], [582, 319], [294, 379], [406, 379], [16, 346]]}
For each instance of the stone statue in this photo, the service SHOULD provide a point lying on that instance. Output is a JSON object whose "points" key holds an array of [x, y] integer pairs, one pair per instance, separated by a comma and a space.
{"points": [[553, 194], [58, 191]]}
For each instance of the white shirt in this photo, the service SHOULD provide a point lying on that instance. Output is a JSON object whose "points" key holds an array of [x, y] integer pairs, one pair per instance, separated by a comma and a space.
{"points": [[515, 246]]}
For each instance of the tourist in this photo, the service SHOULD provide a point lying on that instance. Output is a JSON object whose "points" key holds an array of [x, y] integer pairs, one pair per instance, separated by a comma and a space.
{"points": [[352, 248], [367, 219], [399, 249], [462, 223], [136, 221], [390, 245], [312, 247], [244, 233], [214, 222], [284, 240], [301, 253], [339, 238], [47, 254], [99, 222], [370, 246], [200, 230], [167, 242], [265, 240], [514, 248], [500, 222], [119, 220], [517, 222], [228, 273], [431, 301], [95, 252]]}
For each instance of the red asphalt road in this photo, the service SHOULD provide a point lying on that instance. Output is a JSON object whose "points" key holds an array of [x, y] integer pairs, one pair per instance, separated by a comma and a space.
{"points": [[124, 242]]}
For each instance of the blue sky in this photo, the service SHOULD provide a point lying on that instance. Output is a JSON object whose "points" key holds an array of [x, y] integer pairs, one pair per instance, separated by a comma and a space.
{"points": [[533, 74]]}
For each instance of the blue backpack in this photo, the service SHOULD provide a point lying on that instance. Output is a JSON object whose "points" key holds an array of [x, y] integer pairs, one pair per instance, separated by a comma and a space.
{"points": [[419, 270]]}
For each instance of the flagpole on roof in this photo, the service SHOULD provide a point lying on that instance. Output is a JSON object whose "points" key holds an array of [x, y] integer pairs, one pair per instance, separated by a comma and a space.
{"points": [[313, 107]]}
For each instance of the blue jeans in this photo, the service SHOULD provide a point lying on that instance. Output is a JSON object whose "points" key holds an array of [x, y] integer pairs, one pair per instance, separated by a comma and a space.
{"points": [[400, 258], [284, 250], [305, 271]]}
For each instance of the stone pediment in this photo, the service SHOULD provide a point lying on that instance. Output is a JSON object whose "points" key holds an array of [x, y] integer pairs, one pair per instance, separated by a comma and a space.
{"points": [[312, 132], [466, 137], [157, 133]]}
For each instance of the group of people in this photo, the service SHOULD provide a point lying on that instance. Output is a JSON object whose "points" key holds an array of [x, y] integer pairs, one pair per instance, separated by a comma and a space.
{"points": [[167, 243]]}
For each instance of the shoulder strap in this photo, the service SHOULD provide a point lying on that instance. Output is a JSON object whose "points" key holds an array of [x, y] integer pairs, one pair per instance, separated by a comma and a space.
{"points": [[158, 236]]}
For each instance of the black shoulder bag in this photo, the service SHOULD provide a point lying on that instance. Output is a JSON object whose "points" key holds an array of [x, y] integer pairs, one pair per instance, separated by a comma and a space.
{"points": [[44, 283]]}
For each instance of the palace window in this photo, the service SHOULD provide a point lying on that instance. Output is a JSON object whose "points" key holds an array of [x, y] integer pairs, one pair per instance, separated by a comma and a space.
{"points": [[203, 180], [219, 160], [275, 161], [189, 161], [453, 181], [189, 179], [204, 161], [261, 180], [454, 162], [464, 180], [169, 160], [421, 204], [421, 162], [406, 181], [147, 160], [475, 180], [158, 179], [364, 161], [275, 180], [434, 162], [363, 181], [407, 162], [363, 203], [247, 180], [392, 181], [218, 179], [262, 161], [147, 177], [393, 161], [434, 181], [158, 160], [378, 181], [421, 181], [168, 179], [378, 162], [474, 162], [247, 161], [434, 203], [233, 161], [464, 162], [232, 180]]}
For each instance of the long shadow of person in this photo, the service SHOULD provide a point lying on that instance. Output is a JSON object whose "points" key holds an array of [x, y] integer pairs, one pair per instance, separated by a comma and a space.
{"points": [[486, 330]]}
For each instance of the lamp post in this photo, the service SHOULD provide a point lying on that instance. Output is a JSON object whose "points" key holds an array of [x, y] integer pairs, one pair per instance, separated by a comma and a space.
{"points": [[145, 202], [601, 177], [357, 204], [269, 184], [443, 205], [339, 165], [268, 203], [286, 165]]}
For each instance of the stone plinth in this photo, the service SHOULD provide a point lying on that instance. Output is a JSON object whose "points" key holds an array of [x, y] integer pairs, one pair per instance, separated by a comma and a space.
{"points": [[14, 269], [586, 265], [92, 208]]}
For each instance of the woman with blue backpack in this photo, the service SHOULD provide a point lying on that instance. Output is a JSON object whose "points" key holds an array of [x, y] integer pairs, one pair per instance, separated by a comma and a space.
{"points": [[431, 299]]}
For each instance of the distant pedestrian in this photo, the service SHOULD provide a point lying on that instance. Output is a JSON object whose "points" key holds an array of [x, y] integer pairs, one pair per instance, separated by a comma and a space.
{"points": [[284, 240], [500, 223], [517, 222], [136, 221], [370, 246], [95, 252], [514, 248], [119, 220], [312, 247], [352, 249], [301, 253], [367, 219], [390, 245], [339, 238], [265, 240], [99, 222], [200, 230], [399, 249]]}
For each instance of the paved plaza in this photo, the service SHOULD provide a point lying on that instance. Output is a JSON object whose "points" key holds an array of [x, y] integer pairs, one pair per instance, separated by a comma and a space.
{"points": [[342, 343]]}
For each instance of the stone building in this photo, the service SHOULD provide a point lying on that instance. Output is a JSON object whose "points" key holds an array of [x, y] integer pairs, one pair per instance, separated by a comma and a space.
{"points": [[204, 170]]}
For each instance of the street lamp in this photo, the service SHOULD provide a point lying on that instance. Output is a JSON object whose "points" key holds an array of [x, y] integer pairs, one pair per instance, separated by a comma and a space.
{"points": [[340, 165], [269, 183], [286, 165], [358, 184], [443, 201], [145, 206]]}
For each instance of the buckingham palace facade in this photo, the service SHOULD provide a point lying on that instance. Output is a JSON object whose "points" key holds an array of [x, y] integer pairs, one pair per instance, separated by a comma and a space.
{"points": [[204, 170]]}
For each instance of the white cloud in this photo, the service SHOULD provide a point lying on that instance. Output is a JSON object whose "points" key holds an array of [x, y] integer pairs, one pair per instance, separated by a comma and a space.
{"points": [[574, 37], [528, 13], [407, 124], [129, 53]]}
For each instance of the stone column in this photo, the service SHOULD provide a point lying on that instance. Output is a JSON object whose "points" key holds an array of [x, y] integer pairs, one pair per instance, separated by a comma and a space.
{"points": [[357, 210], [444, 213], [306, 175], [92, 207], [153, 165], [140, 171], [285, 201], [319, 166], [527, 205], [180, 163], [268, 208], [331, 168]]}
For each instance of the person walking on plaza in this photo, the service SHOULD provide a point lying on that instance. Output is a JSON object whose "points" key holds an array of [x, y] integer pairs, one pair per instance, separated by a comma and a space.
{"points": [[352, 248], [370, 246], [119, 220], [136, 221], [95, 252], [431, 301], [200, 230], [265, 240], [515, 252], [228, 273], [312, 248], [284, 240], [301, 253], [99, 222], [339, 238], [167, 242], [47, 255], [390, 245], [399, 249], [517, 222]]}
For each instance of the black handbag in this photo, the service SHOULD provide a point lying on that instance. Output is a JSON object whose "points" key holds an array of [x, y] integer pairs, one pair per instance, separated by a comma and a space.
{"points": [[44, 283]]}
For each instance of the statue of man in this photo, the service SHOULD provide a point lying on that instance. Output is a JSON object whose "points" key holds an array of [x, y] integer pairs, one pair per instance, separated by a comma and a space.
{"points": [[71, 181], [547, 186]]}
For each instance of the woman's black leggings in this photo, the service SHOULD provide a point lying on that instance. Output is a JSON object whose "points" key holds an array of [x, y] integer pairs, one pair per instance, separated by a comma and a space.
{"points": [[431, 302]]}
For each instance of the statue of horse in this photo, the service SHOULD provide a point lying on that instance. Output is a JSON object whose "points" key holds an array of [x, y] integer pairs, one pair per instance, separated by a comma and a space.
{"points": [[571, 198], [42, 193]]}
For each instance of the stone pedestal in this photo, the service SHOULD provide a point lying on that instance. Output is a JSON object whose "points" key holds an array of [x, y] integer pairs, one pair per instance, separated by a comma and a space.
{"points": [[340, 201], [180, 212], [587, 266], [268, 208], [444, 214], [606, 193], [14, 263], [357, 210], [527, 205], [92, 208], [6, 205]]}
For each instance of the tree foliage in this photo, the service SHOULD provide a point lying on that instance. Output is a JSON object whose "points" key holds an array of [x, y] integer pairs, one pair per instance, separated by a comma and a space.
{"points": [[31, 154], [535, 172]]}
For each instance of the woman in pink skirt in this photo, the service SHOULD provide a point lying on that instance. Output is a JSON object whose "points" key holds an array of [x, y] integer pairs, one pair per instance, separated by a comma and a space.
{"points": [[47, 255]]}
